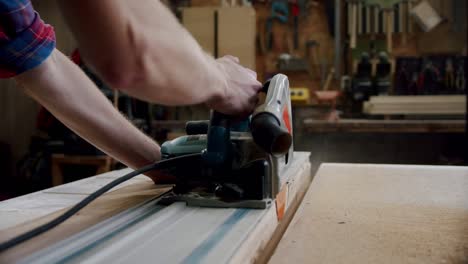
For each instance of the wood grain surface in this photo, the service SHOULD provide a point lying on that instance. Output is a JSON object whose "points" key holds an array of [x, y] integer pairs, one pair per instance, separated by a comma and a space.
{"points": [[380, 214]]}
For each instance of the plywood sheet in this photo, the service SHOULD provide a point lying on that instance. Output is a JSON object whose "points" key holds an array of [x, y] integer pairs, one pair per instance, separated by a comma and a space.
{"points": [[200, 22], [356, 213], [236, 34]]}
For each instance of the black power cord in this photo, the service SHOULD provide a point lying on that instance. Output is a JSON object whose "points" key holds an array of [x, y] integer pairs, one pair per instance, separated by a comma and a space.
{"points": [[60, 219]]}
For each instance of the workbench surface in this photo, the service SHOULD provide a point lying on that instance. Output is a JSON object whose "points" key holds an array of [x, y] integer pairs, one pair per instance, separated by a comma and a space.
{"points": [[34, 205], [132, 218], [354, 213]]}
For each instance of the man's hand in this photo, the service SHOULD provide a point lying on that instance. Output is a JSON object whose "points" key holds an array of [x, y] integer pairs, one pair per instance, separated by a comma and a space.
{"points": [[240, 88], [153, 58]]}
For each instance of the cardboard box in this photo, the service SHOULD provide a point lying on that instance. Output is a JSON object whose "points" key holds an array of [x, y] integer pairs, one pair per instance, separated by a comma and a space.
{"points": [[236, 34], [224, 31], [200, 22]]}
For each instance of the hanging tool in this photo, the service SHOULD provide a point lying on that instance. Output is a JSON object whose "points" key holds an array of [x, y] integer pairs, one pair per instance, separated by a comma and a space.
{"points": [[449, 75], [387, 6], [376, 20], [361, 19], [460, 80], [353, 10], [429, 78], [295, 14], [389, 18], [312, 49], [236, 165], [383, 74], [326, 86], [289, 63], [402, 79], [367, 23], [362, 81], [279, 12]]}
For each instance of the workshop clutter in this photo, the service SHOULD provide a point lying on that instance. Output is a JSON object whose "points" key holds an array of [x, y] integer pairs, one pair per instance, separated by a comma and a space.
{"points": [[431, 75], [372, 76]]}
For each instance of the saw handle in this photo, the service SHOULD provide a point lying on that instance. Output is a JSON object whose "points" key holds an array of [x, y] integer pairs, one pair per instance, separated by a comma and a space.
{"points": [[268, 133], [218, 148], [197, 127]]}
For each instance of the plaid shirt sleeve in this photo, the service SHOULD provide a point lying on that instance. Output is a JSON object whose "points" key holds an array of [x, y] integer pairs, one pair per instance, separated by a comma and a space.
{"points": [[25, 40]]}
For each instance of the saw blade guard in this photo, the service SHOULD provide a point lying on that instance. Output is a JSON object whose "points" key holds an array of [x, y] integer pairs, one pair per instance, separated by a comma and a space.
{"points": [[271, 123]]}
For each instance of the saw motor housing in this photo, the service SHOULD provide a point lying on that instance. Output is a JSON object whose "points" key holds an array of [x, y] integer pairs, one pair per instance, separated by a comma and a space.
{"points": [[239, 163]]}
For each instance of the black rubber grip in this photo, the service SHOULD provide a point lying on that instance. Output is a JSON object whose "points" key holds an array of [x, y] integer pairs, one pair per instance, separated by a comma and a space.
{"points": [[269, 135], [197, 127]]}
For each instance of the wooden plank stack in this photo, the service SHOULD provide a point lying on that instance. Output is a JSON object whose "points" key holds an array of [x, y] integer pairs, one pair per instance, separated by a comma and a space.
{"points": [[416, 105]]}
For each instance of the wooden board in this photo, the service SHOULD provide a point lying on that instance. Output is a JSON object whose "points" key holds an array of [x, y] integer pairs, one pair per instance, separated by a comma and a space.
{"points": [[200, 22], [411, 99], [179, 233], [384, 126], [236, 34], [56, 200], [415, 110], [422, 105], [38, 204], [357, 213]]}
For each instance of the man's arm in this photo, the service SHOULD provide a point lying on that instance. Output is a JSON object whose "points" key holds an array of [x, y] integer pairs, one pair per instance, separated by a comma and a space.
{"points": [[60, 86], [140, 47]]}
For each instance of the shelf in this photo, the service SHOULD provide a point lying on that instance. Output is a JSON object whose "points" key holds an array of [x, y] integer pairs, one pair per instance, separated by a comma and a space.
{"points": [[384, 126]]}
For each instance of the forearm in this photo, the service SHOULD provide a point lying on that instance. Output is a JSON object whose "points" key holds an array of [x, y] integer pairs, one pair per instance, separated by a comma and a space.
{"points": [[140, 47], [61, 87]]}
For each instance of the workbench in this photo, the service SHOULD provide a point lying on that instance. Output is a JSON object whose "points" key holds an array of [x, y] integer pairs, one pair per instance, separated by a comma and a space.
{"points": [[351, 213], [128, 225], [362, 213]]}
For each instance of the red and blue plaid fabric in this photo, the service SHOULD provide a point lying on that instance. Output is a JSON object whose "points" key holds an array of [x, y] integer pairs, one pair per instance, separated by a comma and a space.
{"points": [[25, 40]]}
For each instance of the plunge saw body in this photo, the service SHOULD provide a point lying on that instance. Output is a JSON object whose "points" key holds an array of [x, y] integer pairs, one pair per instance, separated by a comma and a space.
{"points": [[224, 163]]}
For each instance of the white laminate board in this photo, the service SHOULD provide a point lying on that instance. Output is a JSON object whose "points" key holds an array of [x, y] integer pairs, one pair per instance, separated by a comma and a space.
{"points": [[181, 234], [24, 208]]}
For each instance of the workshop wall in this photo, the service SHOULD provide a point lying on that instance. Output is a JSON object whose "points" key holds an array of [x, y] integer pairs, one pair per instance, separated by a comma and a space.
{"points": [[17, 111], [313, 25], [450, 36]]}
